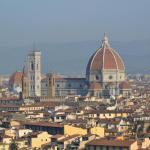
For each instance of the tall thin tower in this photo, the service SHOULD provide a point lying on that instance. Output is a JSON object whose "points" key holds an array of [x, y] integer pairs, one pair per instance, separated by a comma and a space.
{"points": [[34, 73]]}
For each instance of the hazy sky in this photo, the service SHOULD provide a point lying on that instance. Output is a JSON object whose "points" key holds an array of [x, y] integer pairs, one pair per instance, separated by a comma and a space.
{"points": [[51, 23], [27, 21]]}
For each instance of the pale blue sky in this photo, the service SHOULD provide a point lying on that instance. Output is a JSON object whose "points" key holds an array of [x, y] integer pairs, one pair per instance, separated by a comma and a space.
{"points": [[28, 21], [69, 31]]}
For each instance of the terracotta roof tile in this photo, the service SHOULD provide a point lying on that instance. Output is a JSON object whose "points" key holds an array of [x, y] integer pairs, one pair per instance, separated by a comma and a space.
{"points": [[118, 143], [46, 124]]}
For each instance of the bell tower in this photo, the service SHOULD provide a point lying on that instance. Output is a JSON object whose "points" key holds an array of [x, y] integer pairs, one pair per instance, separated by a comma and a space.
{"points": [[34, 73]]}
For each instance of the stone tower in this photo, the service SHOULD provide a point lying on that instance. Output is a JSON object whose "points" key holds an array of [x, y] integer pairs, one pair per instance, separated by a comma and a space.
{"points": [[34, 73], [25, 84], [50, 85]]}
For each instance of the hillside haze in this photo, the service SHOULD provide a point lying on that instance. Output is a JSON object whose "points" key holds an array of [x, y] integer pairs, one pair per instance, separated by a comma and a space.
{"points": [[72, 58]]}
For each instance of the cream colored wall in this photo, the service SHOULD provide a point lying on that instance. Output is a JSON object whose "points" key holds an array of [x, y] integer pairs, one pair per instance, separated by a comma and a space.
{"points": [[134, 146], [92, 77], [22, 144], [107, 115], [68, 142], [10, 133], [71, 130], [117, 75], [98, 131], [22, 109], [122, 128], [7, 140], [125, 115], [14, 123], [71, 116], [39, 115], [23, 132], [82, 143], [112, 115], [93, 115], [26, 108], [146, 143], [107, 74], [104, 76], [42, 138], [4, 146]]}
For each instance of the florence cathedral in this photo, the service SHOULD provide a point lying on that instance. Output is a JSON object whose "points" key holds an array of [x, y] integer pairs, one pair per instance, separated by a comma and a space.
{"points": [[105, 77]]}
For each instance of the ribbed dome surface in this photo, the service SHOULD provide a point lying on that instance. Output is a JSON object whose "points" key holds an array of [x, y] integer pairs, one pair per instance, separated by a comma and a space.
{"points": [[105, 58]]}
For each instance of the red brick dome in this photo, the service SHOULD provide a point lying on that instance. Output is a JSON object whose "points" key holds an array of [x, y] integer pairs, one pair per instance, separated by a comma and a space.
{"points": [[16, 77], [105, 58]]}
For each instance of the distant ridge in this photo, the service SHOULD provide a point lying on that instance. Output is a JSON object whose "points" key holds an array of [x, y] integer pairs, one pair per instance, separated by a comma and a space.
{"points": [[72, 58]]}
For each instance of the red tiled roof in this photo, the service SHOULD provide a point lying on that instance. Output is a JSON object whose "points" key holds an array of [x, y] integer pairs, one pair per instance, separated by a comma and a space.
{"points": [[105, 142], [124, 85], [68, 138], [107, 111], [69, 110], [7, 136], [46, 124], [57, 136], [8, 105], [95, 85], [9, 98]]}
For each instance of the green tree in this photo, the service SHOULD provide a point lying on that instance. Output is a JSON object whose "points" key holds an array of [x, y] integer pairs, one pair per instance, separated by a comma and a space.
{"points": [[13, 146]]}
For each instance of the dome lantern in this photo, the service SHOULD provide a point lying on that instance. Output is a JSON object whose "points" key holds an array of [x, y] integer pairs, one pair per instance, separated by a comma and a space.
{"points": [[105, 41]]}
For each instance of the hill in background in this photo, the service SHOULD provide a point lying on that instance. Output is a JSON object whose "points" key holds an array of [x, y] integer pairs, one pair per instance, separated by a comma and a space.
{"points": [[72, 58]]}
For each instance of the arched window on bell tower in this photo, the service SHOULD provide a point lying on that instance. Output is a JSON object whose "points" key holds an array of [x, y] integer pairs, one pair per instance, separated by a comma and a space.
{"points": [[32, 66], [37, 66]]}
